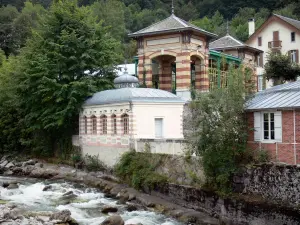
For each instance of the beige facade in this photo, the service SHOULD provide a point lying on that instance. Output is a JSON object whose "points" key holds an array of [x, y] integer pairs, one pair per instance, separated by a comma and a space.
{"points": [[275, 35]]}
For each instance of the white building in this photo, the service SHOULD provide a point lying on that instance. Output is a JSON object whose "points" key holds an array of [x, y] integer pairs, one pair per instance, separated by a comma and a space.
{"points": [[114, 121], [278, 33]]}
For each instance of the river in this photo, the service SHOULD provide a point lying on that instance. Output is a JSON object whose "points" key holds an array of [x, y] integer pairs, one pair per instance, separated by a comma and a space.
{"points": [[85, 207]]}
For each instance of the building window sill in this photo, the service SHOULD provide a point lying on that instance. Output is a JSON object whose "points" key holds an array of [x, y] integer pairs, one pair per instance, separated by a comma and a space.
{"points": [[269, 141]]}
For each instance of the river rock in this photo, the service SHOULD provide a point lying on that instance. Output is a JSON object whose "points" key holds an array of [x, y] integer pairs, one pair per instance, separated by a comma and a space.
{"points": [[47, 188], [62, 216], [3, 164], [12, 186], [131, 207], [39, 165], [9, 165], [30, 162], [109, 209], [113, 220]]}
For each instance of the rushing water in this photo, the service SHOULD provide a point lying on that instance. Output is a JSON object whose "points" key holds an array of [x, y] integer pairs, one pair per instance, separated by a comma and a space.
{"points": [[85, 208]]}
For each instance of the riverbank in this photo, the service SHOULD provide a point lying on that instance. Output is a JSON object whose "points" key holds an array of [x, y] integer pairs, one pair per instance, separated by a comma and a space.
{"points": [[185, 203], [109, 184]]}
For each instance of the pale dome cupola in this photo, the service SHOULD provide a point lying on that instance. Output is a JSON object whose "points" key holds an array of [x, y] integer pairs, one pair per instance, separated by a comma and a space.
{"points": [[126, 81]]}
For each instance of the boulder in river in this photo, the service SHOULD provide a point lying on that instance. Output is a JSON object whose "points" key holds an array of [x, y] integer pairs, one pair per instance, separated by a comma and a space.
{"points": [[109, 209], [47, 188], [63, 217], [12, 186], [113, 220]]}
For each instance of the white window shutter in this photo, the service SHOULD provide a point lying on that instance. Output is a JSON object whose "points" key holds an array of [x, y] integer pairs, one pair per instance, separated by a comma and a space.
{"points": [[278, 126], [257, 126]]}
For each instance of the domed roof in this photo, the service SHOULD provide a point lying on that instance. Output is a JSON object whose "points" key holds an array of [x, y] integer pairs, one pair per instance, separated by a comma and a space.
{"points": [[126, 78], [132, 95]]}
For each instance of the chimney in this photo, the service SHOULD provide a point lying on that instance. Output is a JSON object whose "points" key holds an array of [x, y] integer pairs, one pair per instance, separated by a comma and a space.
{"points": [[251, 24]]}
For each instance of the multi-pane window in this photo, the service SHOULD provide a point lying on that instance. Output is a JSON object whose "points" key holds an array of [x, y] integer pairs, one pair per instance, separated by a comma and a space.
{"points": [[85, 124], [94, 124], [125, 123], [293, 37], [114, 124], [268, 126], [103, 122], [293, 54]]}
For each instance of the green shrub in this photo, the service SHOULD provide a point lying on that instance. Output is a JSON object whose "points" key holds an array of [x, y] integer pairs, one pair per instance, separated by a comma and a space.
{"points": [[93, 163], [138, 170], [263, 156]]}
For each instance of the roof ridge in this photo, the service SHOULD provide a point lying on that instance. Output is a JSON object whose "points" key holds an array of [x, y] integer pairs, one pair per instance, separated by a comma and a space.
{"points": [[286, 17], [152, 25], [183, 22]]}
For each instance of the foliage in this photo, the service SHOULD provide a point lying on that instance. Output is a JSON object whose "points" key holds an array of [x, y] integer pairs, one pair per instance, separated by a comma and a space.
{"points": [[138, 170], [280, 68], [93, 163], [68, 58], [219, 128]]}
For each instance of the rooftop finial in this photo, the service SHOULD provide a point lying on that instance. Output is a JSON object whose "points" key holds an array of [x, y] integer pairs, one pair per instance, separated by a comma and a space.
{"points": [[227, 28], [172, 7]]}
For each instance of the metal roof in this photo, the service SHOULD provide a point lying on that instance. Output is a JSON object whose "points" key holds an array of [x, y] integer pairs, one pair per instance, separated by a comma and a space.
{"points": [[170, 24], [229, 42], [133, 95], [285, 96]]}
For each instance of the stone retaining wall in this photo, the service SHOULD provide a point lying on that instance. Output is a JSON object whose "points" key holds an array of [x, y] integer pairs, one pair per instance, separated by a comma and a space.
{"points": [[239, 211], [280, 183]]}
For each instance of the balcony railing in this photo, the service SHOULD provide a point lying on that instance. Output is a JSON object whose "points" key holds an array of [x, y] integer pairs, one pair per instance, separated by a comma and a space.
{"points": [[274, 44]]}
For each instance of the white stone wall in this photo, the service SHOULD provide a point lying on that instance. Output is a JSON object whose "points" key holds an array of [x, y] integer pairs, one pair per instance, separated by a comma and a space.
{"points": [[145, 114]]}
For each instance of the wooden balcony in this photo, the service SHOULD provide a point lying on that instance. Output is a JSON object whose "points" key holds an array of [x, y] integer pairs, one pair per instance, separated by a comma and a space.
{"points": [[274, 44]]}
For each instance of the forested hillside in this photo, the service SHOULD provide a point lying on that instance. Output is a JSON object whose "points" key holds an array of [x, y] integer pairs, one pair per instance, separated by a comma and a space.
{"points": [[124, 16]]}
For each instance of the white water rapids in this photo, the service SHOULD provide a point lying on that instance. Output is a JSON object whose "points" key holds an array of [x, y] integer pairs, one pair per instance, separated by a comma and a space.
{"points": [[85, 208]]}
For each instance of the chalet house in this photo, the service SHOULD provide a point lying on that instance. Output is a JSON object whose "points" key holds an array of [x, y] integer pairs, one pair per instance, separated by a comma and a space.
{"points": [[277, 34], [274, 116]]}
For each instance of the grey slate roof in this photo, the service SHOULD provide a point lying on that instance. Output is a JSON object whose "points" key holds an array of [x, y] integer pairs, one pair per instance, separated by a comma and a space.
{"points": [[170, 24], [228, 42], [293, 22], [132, 95], [285, 96]]}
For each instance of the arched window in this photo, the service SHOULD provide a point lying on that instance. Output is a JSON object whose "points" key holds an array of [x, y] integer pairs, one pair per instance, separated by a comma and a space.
{"points": [[94, 124], [114, 124], [85, 124], [125, 123], [103, 121]]}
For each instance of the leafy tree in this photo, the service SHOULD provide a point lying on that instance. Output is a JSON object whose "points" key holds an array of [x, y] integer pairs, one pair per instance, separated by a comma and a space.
{"points": [[11, 122], [214, 24], [67, 59], [280, 68], [7, 35], [113, 15], [26, 20], [288, 11], [218, 128]]}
